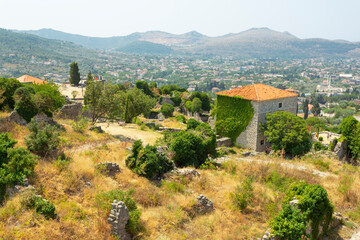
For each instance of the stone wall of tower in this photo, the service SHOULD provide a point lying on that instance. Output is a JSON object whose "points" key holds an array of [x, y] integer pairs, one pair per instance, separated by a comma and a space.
{"points": [[252, 137]]}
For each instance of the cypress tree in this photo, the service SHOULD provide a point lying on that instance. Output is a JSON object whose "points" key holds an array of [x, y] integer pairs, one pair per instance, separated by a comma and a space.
{"points": [[306, 109], [74, 74]]}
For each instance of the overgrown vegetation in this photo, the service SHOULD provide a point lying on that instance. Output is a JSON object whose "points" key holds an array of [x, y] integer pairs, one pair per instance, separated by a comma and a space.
{"points": [[233, 114], [104, 200], [147, 161], [313, 208], [15, 163]]}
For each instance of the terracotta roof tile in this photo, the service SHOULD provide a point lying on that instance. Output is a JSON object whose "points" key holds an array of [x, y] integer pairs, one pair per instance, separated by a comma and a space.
{"points": [[28, 79], [258, 92]]}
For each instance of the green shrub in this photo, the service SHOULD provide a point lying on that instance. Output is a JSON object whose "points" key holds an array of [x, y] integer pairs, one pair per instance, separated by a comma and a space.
{"points": [[188, 149], [181, 118], [42, 139], [45, 207], [80, 125], [321, 139], [24, 105], [192, 124], [208, 164], [9, 85], [147, 161], [289, 224], [104, 200], [278, 181], [167, 109], [243, 194], [15, 163], [313, 203], [318, 146]]}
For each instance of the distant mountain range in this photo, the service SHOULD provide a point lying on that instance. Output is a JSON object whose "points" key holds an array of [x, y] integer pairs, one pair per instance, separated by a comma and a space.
{"points": [[255, 42]]}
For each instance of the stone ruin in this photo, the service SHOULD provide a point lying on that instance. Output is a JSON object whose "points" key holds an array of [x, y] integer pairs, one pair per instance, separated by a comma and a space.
{"points": [[15, 117], [223, 142], [203, 205], [188, 173], [118, 218], [71, 111], [108, 168], [42, 118]]}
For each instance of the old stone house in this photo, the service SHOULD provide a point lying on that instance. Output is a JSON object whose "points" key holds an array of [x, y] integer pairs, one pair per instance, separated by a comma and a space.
{"points": [[264, 99]]}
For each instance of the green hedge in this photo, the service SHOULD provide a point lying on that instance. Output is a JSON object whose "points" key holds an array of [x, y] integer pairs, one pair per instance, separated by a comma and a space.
{"points": [[233, 114]]}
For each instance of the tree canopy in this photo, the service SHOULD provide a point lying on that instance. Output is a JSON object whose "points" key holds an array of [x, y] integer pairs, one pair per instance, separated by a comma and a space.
{"points": [[287, 131]]}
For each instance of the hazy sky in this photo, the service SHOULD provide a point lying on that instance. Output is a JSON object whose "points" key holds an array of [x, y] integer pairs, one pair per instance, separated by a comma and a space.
{"points": [[332, 19]]}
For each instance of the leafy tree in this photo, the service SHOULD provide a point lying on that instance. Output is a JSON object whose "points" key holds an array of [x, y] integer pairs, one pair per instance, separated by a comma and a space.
{"points": [[74, 74], [9, 85], [167, 109], [24, 105], [100, 99], [143, 85], [287, 131], [316, 123], [153, 85], [196, 105], [89, 77], [132, 103], [350, 129], [205, 102], [306, 109], [176, 98], [316, 109]]}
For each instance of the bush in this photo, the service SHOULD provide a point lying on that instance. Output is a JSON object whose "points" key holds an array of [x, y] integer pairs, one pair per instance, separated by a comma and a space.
{"points": [[104, 200], [313, 203], [318, 146], [243, 194], [15, 163], [9, 85], [289, 224], [209, 138], [43, 138], [80, 125], [167, 109], [45, 207], [188, 149], [24, 105], [321, 139], [181, 118], [208, 164], [192, 124], [147, 162]]}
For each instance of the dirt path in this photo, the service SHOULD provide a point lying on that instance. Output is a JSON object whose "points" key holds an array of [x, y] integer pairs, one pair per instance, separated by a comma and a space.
{"points": [[130, 131], [356, 236]]}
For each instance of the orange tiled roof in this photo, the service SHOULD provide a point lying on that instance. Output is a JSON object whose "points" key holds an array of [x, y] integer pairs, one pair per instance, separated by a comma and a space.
{"points": [[28, 79], [258, 92]]}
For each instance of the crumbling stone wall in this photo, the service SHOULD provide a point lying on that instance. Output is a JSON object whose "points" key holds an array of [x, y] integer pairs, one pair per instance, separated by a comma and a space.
{"points": [[71, 111], [118, 218]]}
